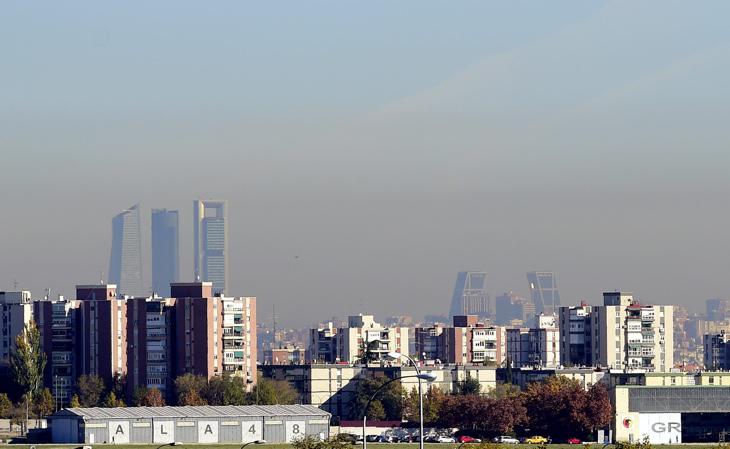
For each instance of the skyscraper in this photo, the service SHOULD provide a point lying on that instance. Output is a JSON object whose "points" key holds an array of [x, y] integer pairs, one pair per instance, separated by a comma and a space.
{"points": [[165, 251], [544, 291], [470, 295], [125, 263], [211, 243]]}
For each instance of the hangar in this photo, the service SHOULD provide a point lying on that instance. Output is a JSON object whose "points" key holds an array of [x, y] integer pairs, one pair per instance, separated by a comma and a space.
{"points": [[204, 424]]}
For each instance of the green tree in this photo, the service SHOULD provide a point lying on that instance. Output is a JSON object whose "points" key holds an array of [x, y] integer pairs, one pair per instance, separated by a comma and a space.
{"points": [[27, 362], [90, 389], [75, 402], [215, 391], [432, 401], [111, 401], [44, 403], [189, 389], [272, 392], [390, 397], [6, 406], [235, 391], [468, 386]]}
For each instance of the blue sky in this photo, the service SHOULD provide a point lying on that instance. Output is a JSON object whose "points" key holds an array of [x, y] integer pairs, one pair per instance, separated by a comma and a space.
{"points": [[387, 144]]}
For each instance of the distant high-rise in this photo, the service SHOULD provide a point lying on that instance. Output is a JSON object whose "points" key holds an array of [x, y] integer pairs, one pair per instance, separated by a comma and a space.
{"points": [[544, 291], [470, 295], [165, 250], [211, 243], [717, 309], [125, 263]]}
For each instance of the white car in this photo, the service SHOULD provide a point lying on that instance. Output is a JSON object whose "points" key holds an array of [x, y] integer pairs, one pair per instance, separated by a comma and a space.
{"points": [[506, 440], [443, 439]]}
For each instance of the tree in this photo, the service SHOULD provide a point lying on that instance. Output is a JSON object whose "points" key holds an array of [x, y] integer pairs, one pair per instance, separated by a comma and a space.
{"points": [[89, 389], [215, 391], [6, 406], [272, 392], [390, 397], [44, 403], [152, 397], [189, 389], [598, 410], [75, 402], [111, 401], [235, 391], [556, 407], [432, 402], [27, 362], [468, 386]]}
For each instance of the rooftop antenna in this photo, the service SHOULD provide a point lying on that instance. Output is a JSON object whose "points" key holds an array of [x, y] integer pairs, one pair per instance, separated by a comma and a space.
{"points": [[48, 294], [101, 277], [273, 316], [15, 284]]}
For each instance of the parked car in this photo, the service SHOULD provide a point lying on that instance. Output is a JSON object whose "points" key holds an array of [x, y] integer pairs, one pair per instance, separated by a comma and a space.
{"points": [[347, 437], [468, 439], [372, 438], [574, 441], [445, 439], [536, 439], [506, 440]]}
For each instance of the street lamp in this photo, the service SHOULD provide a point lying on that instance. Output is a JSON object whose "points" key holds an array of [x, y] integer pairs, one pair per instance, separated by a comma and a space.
{"points": [[398, 355], [254, 442], [428, 377]]}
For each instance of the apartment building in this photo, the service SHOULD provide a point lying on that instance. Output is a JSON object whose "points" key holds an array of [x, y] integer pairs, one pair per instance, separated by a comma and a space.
{"points": [[466, 342], [363, 338], [56, 321], [621, 334], [17, 311], [716, 351], [323, 344], [535, 347], [239, 337]]}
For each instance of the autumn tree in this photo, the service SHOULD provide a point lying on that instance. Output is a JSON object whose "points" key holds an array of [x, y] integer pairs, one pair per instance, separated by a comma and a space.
{"points": [[44, 403], [75, 402], [598, 410], [111, 400], [89, 389], [27, 363], [190, 389], [149, 397], [6, 406]]}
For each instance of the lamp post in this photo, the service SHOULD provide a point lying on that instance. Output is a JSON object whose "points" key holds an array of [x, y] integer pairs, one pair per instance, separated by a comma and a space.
{"points": [[254, 442], [397, 355], [426, 376]]}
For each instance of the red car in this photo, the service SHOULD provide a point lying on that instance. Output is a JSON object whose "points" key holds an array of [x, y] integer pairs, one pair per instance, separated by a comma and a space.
{"points": [[574, 441], [468, 439]]}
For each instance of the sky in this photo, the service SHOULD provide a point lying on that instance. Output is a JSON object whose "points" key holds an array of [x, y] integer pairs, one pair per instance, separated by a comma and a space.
{"points": [[371, 150]]}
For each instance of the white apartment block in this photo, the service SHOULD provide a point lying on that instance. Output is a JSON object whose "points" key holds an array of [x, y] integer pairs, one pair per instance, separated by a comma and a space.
{"points": [[17, 311], [534, 347], [363, 334], [239, 336], [620, 334]]}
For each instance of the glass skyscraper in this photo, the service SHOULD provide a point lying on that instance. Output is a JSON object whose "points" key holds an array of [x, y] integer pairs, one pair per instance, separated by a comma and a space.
{"points": [[165, 250], [544, 291], [211, 243], [470, 295], [125, 263]]}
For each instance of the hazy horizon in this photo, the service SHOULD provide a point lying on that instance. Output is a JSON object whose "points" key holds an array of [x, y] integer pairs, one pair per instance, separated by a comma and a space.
{"points": [[370, 151]]}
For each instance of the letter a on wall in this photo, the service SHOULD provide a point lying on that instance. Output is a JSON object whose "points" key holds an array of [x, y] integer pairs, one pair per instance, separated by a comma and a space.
{"points": [[207, 431], [118, 432]]}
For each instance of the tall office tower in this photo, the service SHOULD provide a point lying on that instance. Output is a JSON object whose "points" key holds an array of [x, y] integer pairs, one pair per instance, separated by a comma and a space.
{"points": [[470, 295], [211, 243], [125, 263], [165, 253], [717, 309], [544, 291]]}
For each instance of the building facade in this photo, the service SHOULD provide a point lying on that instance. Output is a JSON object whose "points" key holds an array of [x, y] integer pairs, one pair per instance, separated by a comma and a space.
{"points": [[470, 295], [125, 262], [716, 351], [465, 342], [165, 250], [535, 347], [17, 311], [576, 347], [544, 291], [210, 244]]}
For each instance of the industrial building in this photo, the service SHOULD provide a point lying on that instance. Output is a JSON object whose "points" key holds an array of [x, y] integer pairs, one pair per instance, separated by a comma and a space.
{"points": [[206, 424]]}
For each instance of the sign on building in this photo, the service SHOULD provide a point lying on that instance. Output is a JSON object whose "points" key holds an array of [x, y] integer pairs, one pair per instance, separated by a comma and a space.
{"points": [[661, 428], [207, 431], [252, 431], [295, 430], [163, 432], [118, 432]]}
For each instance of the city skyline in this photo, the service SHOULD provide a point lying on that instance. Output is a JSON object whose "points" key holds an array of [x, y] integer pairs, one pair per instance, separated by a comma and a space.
{"points": [[364, 169]]}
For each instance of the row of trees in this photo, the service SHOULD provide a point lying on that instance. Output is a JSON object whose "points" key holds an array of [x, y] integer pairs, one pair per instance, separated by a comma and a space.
{"points": [[28, 363], [558, 407]]}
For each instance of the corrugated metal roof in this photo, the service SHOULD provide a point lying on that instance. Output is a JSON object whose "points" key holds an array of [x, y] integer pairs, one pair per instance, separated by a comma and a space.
{"points": [[206, 411]]}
